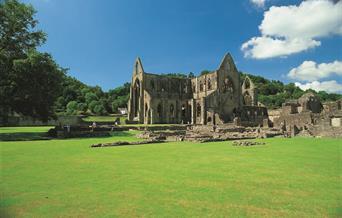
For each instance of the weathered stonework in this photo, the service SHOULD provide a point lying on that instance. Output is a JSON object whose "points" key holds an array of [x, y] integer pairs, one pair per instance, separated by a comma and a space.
{"points": [[308, 116], [214, 98]]}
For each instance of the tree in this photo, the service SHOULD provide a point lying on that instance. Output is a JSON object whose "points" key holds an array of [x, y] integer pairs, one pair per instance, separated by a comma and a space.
{"points": [[92, 105], [82, 107], [37, 84], [100, 110], [204, 72], [191, 75], [121, 101], [89, 97], [17, 29], [30, 81], [72, 108]]}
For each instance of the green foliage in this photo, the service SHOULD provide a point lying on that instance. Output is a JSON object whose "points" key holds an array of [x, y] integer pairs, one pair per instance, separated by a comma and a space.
{"points": [[82, 107], [273, 93], [17, 29], [92, 105], [99, 110], [90, 96], [191, 75], [30, 81], [204, 72], [72, 107], [120, 102], [118, 97], [37, 82]]}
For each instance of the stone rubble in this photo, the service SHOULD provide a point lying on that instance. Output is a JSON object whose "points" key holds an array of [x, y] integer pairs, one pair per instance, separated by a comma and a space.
{"points": [[247, 143], [123, 143]]}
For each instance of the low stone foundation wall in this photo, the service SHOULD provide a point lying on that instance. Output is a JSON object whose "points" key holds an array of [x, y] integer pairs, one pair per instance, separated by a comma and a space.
{"points": [[123, 143], [105, 130], [207, 134]]}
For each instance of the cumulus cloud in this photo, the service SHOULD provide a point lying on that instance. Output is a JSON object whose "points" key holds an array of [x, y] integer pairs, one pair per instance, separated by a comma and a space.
{"points": [[258, 3], [268, 47], [329, 86], [291, 29], [311, 71]]}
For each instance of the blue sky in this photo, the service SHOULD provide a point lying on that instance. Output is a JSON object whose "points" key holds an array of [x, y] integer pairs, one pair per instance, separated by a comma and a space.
{"points": [[99, 40]]}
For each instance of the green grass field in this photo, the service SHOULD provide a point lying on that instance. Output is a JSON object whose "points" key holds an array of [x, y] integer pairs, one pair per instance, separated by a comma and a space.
{"points": [[104, 119], [297, 177]]}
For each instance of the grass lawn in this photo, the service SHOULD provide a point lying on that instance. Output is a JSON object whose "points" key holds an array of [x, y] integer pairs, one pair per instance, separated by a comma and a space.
{"points": [[296, 177], [104, 119]]}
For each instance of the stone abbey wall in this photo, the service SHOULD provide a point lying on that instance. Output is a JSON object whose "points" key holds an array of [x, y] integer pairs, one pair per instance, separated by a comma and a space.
{"points": [[214, 98], [308, 114]]}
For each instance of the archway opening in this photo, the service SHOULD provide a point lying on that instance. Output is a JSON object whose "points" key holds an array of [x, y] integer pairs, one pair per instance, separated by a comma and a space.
{"points": [[136, 97]]}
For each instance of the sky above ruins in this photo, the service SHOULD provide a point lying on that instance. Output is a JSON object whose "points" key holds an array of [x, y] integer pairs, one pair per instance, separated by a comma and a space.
{"points": [[287, 40]]}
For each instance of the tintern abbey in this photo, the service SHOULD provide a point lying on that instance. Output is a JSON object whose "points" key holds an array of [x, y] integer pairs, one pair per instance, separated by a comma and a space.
{"points": [[215, 98]]}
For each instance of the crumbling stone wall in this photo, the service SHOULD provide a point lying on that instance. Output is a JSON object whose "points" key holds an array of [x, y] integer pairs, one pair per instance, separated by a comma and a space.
{"points": [[310, 102], [306, 115], [249, 92], [213, 98], [300, 120]]}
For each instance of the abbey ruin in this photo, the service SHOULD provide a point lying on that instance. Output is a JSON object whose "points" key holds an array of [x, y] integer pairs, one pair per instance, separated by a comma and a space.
{"points": [[220, 106], [215, 98]]}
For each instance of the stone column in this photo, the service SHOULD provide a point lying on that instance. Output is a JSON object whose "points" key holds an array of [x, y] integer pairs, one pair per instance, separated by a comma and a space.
{"points": [[130, 105], [203, 112], [141, 104], [176, 109], [152, 118], [193, 111]]}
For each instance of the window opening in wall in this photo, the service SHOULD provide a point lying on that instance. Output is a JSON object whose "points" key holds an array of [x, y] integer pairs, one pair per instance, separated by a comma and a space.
{"points": [[136, 67], [136, 96], [247, 84], [159, 110], [185, 88], [183, 111], [152, 85], [172, 110], [198, 109]]}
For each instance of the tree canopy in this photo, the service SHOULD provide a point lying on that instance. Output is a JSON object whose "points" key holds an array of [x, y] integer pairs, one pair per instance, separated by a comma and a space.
{"points": [[273, 93], [30, 80]]}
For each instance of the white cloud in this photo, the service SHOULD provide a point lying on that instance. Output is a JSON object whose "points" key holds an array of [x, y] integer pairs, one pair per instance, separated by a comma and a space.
{"points": [[292, 29], [329, 86], [258, 3], [311, 71], [268, 47]]}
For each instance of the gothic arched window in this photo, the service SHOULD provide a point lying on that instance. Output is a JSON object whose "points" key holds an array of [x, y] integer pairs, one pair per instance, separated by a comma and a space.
{"points": [[198, 109], [172, 110], [152, 85], [209, 84], [160, 110]]}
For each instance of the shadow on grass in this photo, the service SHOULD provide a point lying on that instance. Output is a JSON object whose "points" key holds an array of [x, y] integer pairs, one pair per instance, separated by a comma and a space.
{"points": [[29, 136], [123, 133], [24, 136]]}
